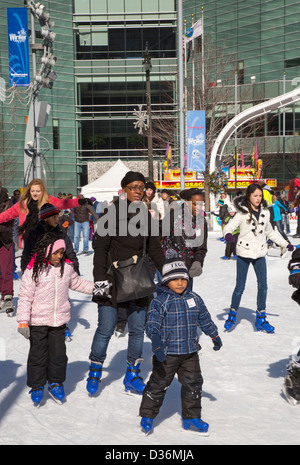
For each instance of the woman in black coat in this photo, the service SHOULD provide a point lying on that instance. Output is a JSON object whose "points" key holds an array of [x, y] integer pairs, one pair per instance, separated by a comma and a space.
{"points": [[122, 232]]}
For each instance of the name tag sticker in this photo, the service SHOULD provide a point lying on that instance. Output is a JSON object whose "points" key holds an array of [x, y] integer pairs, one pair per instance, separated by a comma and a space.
{"points": [[191, 303]]}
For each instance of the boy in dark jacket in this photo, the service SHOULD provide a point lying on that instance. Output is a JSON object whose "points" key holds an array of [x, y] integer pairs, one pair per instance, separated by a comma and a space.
{"points": [[173, 318]]}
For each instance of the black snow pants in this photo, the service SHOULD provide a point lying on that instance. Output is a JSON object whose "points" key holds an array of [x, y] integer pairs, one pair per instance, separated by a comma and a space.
{"points": [[47, 359], [188, 370]]}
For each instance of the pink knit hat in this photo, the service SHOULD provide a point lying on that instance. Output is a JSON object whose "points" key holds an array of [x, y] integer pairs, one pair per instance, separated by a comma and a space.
{"points": [[59, 244]]}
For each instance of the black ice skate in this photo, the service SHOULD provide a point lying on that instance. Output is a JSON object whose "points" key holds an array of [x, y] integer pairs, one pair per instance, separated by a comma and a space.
{"points": [[291, 386]]}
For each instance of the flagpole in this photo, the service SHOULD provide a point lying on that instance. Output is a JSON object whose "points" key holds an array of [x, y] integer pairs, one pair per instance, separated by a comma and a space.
{"points": [[180, 94], [193, 65], [185, 70], [235, 136], [202, 57], [283, 141]]}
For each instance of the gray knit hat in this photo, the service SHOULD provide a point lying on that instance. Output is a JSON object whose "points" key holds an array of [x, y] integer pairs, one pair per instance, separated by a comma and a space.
{"points": [[174, 269]]}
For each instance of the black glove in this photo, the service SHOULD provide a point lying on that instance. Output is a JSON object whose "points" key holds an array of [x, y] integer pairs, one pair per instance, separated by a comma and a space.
{"points": [[217, 342], [296, 296], [294, 278], [158, 348]]}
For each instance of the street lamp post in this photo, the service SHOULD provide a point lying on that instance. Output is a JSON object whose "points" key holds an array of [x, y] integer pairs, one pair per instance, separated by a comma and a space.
{"points": [[147, 67], [44, 77]]}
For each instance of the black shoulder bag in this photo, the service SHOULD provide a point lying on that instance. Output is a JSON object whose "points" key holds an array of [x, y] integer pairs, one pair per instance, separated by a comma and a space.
{"points": [[132, 279]]}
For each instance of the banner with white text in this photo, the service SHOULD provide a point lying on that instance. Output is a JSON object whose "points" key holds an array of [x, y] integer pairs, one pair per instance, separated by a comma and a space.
{"points": [[18, 47], [195, 136]]}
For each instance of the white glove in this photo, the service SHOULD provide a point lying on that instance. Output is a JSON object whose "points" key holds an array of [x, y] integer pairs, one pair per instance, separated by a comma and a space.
{"points": [[195, 270], [102, 289]]}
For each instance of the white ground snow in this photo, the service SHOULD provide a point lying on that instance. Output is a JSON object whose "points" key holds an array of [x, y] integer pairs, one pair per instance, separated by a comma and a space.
{"points": [[242, 397]]}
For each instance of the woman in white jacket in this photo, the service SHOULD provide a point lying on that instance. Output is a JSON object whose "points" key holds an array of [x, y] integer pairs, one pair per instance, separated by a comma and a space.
{"points": [[43, 312], [253, 220]]}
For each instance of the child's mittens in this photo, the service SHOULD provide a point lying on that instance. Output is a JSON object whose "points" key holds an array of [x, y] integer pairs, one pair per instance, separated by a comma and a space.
{"points": [[24, 330], [217, 342], [229, 237], [290, 248], [158, 348], [195, 270]]}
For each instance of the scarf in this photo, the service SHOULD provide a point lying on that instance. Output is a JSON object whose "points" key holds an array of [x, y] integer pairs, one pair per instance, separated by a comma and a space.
{"points": [[31, 220]]}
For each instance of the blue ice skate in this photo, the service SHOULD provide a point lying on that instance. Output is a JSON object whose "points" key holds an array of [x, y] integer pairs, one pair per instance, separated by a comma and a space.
{"points": [[37, 395], [56, 391], [67, 334], [262, 324], [133, 382], [230, 322], [195, 424], [94, 378], [147, 425]]}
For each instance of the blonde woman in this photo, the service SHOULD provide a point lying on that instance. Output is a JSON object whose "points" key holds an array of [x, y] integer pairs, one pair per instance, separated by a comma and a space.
{"points": [[27, 209]]}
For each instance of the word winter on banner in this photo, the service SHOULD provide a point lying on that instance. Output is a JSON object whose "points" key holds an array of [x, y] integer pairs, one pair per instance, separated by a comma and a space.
{"points": [[18, 47]]}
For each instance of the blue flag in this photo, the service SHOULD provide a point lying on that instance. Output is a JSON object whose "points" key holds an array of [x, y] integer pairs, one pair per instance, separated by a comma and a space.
{"points": [[18, 47], [195, 122]]}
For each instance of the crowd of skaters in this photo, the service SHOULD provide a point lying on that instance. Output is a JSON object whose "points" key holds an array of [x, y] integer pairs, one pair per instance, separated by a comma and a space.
{"points": [[48, 228]]}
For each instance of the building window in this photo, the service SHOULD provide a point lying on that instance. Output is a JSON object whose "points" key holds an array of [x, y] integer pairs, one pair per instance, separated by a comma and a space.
{"points": [[122, 43], [55, 124], [292, 63], [241, 72]]}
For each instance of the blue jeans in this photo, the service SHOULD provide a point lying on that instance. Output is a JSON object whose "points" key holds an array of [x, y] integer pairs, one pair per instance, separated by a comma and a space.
{"points": [[260, 268], [107, 320], [85, 228]]}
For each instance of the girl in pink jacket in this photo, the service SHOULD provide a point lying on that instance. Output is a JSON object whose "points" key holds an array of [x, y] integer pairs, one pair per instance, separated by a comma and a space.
{"points": [[43, 312]]}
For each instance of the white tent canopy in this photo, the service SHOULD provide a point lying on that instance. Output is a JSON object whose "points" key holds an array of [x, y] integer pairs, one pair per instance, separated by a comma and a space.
{"points": [[108, 185]]}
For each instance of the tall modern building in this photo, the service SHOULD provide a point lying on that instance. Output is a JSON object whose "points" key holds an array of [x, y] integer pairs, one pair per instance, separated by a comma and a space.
{"points": [[260, 41], [110, 41]]}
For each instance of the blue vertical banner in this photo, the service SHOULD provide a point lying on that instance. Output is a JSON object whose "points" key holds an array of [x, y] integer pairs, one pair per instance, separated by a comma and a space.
{"points": [[195, 137], [18, 47]]}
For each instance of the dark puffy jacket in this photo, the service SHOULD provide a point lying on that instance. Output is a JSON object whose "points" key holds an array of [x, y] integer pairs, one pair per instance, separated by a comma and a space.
{"points": [[6, 229], [176, 319], [41, 229]]}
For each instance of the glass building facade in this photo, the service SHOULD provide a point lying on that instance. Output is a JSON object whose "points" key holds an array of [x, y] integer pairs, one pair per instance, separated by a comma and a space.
{"points": [[110, 39], [263, 34], [260, 41], [100, 46]]}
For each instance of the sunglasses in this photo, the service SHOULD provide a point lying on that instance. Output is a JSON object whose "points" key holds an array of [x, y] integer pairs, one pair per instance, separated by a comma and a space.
{"points": [[136, 188]]}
